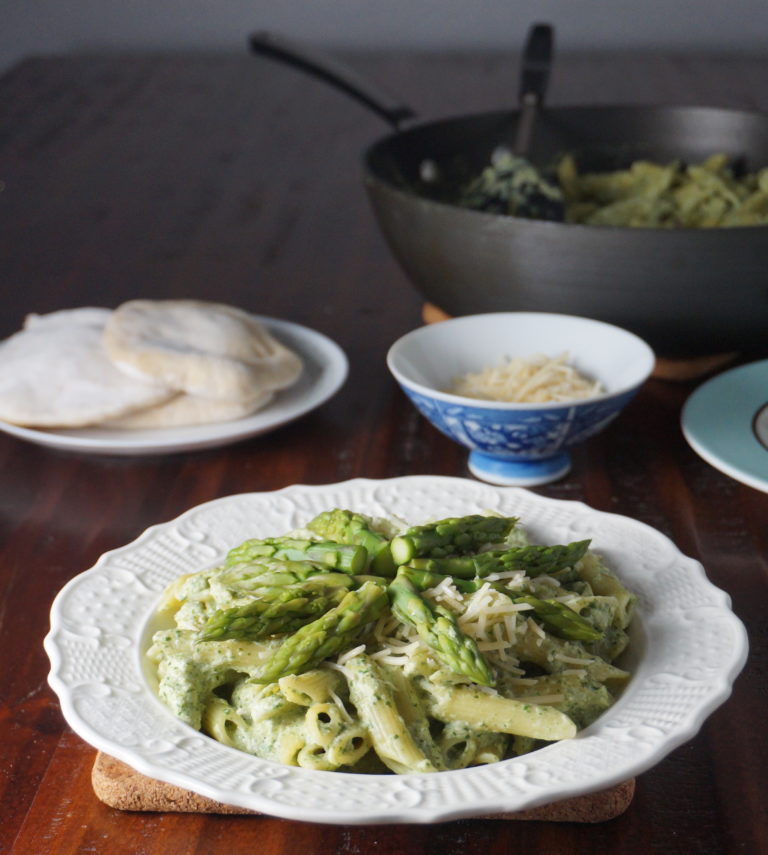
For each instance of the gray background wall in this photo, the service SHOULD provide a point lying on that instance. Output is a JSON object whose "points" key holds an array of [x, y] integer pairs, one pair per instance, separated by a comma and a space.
{"points": [[67, 26]]}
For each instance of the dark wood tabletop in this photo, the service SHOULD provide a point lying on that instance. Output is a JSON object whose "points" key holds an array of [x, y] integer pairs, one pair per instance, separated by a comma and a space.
{"points": [[232, 179]]}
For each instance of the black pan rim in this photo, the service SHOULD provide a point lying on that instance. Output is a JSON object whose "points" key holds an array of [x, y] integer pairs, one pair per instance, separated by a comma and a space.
{"points": [[374, 179]]}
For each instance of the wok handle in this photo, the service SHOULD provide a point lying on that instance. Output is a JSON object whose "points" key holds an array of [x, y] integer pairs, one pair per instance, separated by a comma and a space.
{"points": [[534, 77], [331, 71]]}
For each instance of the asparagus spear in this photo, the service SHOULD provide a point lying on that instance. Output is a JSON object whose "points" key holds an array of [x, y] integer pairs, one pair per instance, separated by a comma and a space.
{"points": [[284, 611], [438, 628], [560, 620], [349, 558], [534, 560], [348, 527], [424, 579], [328, 634], [453, 536], [275, 572]]}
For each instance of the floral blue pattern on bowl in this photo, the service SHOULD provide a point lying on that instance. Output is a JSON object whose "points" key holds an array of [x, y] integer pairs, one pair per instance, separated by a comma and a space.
{"points": [[519, 434]]}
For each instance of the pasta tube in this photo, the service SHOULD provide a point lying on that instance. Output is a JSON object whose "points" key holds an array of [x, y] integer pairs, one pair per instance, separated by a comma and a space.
{"points": [[350, 746], [375, 703], [603, 582], [220, 720], [497, 714], [324, 723]]}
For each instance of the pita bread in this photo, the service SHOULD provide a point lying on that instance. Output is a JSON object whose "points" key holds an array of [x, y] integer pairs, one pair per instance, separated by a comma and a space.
{"points": [[185, 410], [208, 350], [56, 373], [88, 315]]}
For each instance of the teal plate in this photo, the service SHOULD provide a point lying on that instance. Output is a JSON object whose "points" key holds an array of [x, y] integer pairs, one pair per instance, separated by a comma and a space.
{"points": [[726, 422]]}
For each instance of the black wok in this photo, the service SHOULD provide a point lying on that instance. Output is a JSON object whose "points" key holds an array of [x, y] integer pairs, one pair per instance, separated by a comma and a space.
{"points": [[687, 291]]}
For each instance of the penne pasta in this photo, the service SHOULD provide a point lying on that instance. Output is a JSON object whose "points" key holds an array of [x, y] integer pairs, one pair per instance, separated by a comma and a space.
{"points": [[483, 647], [496, 714], [374, 699]]}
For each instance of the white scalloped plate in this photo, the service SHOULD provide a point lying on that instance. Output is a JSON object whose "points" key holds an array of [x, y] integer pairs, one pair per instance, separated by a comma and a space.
{"points": [[687, 648], [325, 370]]}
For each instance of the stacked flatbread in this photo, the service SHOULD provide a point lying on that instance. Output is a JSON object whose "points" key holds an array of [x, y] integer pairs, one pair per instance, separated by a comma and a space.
{"points": [[147, 364]]}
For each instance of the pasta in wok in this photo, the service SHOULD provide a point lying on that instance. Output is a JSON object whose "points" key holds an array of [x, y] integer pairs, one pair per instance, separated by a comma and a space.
{"points": [[646, 194]]}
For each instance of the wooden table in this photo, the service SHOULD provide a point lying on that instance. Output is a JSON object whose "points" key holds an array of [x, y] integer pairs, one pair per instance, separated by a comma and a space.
{"points": [[229, 178]]}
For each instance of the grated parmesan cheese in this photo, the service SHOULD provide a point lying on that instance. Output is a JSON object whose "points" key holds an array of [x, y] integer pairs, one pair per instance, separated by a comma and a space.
{"points": [[340, 704], [510, 623], [528, 380], [537, 631], [334, 666], [513, 579], [350, 654]]}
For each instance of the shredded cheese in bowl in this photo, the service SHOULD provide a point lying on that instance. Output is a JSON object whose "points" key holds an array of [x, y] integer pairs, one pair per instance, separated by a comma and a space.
{"points": [[528, 380]]}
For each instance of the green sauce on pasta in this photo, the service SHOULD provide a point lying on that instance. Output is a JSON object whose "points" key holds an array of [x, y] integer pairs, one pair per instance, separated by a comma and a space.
{"points": [[416, 671]]}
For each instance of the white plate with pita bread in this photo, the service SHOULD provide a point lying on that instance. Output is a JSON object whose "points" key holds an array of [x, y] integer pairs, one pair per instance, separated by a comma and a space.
{"points": [[324, 370]]}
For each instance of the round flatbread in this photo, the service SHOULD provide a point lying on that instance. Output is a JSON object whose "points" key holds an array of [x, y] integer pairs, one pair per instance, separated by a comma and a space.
{"points": [[208, 350], [85, 315], [56, 373], [186, 410]]}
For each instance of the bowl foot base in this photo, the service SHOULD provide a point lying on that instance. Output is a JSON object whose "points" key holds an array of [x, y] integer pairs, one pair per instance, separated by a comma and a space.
{"points": [[518, 473]]}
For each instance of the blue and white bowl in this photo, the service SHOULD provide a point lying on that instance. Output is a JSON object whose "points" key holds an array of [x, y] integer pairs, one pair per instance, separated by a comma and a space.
{"points": [[510, 443]]}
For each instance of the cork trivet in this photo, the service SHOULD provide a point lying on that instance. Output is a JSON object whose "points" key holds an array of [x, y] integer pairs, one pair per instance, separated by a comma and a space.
{"points": [[665, 369], [119, 786]]}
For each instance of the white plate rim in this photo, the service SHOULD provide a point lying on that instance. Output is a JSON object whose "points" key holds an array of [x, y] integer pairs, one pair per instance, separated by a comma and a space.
{"points": [[713, 445], [689, 687], [330, 363]]}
